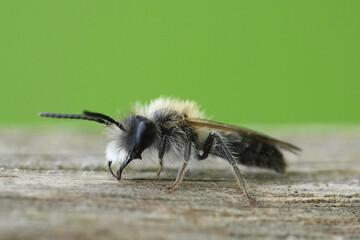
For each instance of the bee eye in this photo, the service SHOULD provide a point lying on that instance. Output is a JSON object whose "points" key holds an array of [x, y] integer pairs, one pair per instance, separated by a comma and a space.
{"points": [[144, 135]]}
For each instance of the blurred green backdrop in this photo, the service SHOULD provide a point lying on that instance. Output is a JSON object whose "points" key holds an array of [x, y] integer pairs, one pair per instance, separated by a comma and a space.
{"points": [[243, 61]]}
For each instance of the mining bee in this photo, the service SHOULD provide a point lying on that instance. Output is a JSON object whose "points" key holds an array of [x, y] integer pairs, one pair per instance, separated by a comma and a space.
{"points": [[169, 129]]}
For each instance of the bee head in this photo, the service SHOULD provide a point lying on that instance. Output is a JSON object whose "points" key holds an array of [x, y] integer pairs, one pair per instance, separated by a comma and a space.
{"points": [[140, 134], [137, 133]]}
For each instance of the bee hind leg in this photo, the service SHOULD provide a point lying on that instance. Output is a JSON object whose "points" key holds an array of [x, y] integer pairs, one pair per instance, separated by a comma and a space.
{"points": [[181, 172], [209, 142]]}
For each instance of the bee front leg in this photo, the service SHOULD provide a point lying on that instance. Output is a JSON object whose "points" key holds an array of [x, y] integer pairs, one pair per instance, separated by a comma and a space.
{"points": [[181, 172]]}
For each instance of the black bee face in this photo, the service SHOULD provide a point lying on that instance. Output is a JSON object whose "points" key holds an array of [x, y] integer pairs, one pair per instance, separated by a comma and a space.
{"points": [[144, 135], [141, 135]]}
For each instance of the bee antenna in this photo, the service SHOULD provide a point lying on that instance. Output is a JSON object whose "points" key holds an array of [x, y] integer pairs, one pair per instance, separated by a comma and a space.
{"points": [[73, 116], [104, 117]]}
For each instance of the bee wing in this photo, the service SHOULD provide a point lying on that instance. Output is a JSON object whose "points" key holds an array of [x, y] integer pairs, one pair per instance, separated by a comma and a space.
{"points": [[205, 123]]}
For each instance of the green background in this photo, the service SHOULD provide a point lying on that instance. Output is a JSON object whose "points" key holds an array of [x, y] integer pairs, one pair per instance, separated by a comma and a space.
{"points": [[278, 62]]}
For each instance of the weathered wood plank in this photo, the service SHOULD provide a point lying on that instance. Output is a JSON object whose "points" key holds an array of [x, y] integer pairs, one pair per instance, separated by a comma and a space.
{"points": [[55, 185]]}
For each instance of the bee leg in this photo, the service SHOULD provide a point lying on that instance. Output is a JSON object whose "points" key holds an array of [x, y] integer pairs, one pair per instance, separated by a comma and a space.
{"points": [[181, 172], [161, 167], [179, 178], [161, 154], [241, 181], [239, 176]]}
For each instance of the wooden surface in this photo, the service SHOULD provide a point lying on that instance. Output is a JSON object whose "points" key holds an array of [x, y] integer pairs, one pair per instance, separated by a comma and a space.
{"points": [[54, 185]]}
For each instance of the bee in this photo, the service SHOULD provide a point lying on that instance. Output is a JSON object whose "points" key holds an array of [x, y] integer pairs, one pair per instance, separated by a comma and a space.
{"points": [[177, 131]]}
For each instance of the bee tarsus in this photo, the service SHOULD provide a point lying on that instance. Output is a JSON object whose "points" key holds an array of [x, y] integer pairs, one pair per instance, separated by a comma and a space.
{"points": [[161, 167]]}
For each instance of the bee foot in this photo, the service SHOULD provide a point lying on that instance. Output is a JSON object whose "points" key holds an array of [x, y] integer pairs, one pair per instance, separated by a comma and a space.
{"points": [[251, 200], [169, 189]]}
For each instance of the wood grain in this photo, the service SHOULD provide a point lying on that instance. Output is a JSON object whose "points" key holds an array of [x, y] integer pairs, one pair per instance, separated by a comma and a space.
{"points": [[54, 185]]}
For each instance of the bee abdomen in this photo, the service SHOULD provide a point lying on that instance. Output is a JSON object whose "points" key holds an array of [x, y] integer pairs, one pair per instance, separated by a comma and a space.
{"points": [[253, 152]]}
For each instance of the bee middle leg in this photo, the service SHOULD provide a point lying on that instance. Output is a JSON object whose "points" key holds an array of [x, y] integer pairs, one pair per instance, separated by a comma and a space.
{"points": [[181, 172], [161, 154], [161, 167], [209, 142]]}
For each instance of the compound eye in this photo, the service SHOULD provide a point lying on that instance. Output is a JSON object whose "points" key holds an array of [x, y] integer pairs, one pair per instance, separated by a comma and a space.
{"points": [[145, 135]]}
